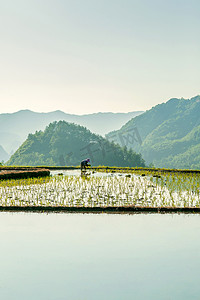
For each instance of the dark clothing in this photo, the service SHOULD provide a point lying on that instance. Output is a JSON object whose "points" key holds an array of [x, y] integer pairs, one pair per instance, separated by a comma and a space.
{"points": [[84, 164]]}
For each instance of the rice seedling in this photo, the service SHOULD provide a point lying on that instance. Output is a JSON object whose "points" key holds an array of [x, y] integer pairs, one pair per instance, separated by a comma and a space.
{"points": [[104, 190]]}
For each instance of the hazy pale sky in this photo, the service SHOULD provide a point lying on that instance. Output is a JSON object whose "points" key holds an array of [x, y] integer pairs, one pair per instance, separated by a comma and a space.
{"points": [[89, 56]]}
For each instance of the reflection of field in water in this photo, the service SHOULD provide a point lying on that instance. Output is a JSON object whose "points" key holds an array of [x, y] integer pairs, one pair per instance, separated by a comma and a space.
{"points": [[89, 173], [102, 190]]}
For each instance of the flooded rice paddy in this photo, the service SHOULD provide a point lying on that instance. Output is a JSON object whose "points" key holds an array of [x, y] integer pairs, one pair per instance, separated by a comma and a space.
{"points": [[101, 257], [103, 190]]}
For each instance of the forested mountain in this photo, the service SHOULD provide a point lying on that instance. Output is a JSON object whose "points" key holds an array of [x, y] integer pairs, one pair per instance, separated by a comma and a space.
{"points": [[63, 143], [167, 135], [15, 127]]}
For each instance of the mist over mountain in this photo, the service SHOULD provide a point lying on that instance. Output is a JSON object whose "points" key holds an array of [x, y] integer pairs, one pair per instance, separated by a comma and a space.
{"points": [[63, 143], [3, 154], [15, 127], [167, 135]]}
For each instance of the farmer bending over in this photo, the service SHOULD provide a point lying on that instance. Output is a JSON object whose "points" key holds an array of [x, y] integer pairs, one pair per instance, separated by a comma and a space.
{"points": [[85, 164]]}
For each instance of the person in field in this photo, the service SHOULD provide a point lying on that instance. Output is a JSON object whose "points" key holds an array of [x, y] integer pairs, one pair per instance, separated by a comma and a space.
{"points": [[85, 163]]}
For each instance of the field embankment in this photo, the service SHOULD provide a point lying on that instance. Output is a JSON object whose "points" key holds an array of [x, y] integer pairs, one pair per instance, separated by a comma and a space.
{"points": [[23, 173], [139, 170], [100, 210]]}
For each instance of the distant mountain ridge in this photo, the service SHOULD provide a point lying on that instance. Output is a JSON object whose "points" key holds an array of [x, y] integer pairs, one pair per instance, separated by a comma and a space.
{"points": [[169, 134], [15, 127]]}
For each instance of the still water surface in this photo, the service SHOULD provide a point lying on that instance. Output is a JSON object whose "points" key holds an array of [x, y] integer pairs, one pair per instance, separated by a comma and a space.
{"points": [[99, 257]]}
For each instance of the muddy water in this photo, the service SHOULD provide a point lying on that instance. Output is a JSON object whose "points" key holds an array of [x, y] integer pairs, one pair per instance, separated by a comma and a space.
{"points": [[99, 257]]}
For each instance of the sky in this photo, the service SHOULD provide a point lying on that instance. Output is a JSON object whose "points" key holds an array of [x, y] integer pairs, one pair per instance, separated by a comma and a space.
{"points": [[88, 56]]}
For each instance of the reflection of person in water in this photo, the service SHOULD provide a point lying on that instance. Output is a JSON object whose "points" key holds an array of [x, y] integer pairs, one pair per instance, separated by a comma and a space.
{"points": [[85, 164]]}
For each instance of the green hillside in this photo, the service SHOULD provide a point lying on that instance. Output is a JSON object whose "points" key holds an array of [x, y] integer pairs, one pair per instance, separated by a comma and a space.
{"points": [[169, 134], [63, 143], [15, 127]]}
